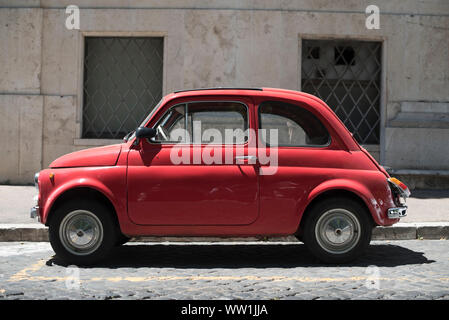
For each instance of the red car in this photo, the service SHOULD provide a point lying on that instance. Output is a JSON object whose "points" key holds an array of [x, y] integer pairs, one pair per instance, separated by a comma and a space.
{"points": [[286, 166]]}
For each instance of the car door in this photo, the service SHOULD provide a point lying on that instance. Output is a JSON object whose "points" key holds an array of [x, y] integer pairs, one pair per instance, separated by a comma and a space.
{"points": [[304, 155], [186, 175]]}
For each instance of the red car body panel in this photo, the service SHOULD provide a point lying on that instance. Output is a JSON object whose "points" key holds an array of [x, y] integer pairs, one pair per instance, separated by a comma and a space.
{"points": [[94, 157], [151, 196], [189, 194]]}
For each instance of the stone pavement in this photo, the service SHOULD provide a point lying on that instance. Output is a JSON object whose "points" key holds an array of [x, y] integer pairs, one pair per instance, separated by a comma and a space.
{"points": [[413, 269]]}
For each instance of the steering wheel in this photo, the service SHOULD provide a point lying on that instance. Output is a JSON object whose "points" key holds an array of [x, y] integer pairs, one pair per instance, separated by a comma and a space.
{"points": [[163, 134]]}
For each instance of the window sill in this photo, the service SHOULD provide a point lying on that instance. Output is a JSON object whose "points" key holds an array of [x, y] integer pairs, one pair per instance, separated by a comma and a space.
{"points": [[95, 142]]}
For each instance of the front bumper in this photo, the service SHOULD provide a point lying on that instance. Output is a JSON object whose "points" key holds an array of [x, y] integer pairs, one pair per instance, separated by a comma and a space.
{"points": [[34, 212], [397, 213]]}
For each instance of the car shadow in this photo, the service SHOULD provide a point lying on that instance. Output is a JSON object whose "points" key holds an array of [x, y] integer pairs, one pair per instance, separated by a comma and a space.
{"points": [[244, 256]]}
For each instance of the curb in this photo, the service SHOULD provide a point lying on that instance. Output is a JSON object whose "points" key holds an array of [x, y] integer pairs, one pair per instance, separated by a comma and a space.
{"points": [[23, 232], [400, 231], [412, 231]]}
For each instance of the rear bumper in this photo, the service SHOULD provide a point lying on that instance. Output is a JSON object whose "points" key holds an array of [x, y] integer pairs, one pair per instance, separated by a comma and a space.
{"points": [[397, 213]]}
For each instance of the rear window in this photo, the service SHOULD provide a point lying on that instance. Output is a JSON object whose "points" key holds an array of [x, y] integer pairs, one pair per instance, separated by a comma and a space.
{"points": [[296, 126]]}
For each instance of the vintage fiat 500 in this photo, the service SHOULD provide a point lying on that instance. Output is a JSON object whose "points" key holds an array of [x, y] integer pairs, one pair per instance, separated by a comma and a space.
{"points": [[222, 162]]}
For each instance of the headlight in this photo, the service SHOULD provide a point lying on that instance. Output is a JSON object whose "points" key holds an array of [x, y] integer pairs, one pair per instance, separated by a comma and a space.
{"points": [[36, 180]]}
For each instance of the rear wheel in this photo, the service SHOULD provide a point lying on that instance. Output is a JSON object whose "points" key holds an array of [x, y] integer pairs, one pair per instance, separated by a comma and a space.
{"points": [[337, 230], [82, 232]]}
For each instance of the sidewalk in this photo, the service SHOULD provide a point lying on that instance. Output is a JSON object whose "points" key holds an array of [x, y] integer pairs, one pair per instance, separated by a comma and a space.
{"points": [[428, 217]]}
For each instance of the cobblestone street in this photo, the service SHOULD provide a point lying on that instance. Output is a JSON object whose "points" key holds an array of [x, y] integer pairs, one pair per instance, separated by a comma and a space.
{"points": [[411, 269]]}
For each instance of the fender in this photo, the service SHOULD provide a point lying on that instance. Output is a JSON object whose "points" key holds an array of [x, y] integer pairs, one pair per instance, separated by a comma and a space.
{"points": [[76, 184], [354, 187]]}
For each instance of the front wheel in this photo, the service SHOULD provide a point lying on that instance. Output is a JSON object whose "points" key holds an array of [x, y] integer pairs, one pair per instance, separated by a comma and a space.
{"points": [[82, 232], [121, 239], [337, 230]]}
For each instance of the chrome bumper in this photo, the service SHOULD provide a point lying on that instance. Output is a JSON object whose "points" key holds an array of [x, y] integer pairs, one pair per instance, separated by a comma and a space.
{"points": [[34, 212], [396, 213]]}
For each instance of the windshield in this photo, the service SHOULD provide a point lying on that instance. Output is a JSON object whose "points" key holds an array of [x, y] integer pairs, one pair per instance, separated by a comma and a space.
{"points": [[144, 122]]}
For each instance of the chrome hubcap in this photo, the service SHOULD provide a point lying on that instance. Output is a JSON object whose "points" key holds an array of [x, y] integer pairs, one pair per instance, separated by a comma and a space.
{"points": [[337, 231], [81, 232]]}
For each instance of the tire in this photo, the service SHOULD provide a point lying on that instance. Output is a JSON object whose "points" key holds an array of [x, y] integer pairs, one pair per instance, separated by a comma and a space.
{"points": [[337, 230], [121, 239], [82, 232]]}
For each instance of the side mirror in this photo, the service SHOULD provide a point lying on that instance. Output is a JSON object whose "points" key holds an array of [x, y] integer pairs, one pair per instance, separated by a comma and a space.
{"points": [[142, 132]]}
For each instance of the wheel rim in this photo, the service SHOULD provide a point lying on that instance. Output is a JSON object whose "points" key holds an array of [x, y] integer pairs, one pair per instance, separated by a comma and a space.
{"points": [[81, 232], [338, 231]]}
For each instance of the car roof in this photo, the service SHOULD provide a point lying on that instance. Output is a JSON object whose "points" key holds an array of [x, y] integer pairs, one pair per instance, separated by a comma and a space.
{"points": [[233, 91], [219, 88], [244, 91]]}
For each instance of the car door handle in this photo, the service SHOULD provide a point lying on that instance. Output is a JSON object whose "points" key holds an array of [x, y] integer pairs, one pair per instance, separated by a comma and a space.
{"points": [[250, 159]]}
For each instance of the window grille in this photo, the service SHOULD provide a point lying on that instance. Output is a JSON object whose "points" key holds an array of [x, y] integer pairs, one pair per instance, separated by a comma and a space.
{"points": [[346, 75], [122, 83]]}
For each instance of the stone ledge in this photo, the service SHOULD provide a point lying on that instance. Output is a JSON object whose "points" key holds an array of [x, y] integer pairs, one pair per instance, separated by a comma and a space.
{"points": [[417, 172]]}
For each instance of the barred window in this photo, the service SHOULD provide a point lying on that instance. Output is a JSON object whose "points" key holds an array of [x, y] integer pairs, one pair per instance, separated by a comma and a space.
{"points": [[122, 83], [346, 75]]}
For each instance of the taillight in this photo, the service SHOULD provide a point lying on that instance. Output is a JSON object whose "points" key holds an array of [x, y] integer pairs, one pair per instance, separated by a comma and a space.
{"points": [[400, 187]]}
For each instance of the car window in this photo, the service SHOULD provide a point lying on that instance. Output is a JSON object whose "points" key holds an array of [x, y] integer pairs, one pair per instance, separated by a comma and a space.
{"points": [[206, 122], [166, 128], [226, 121], [295, 125]]}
